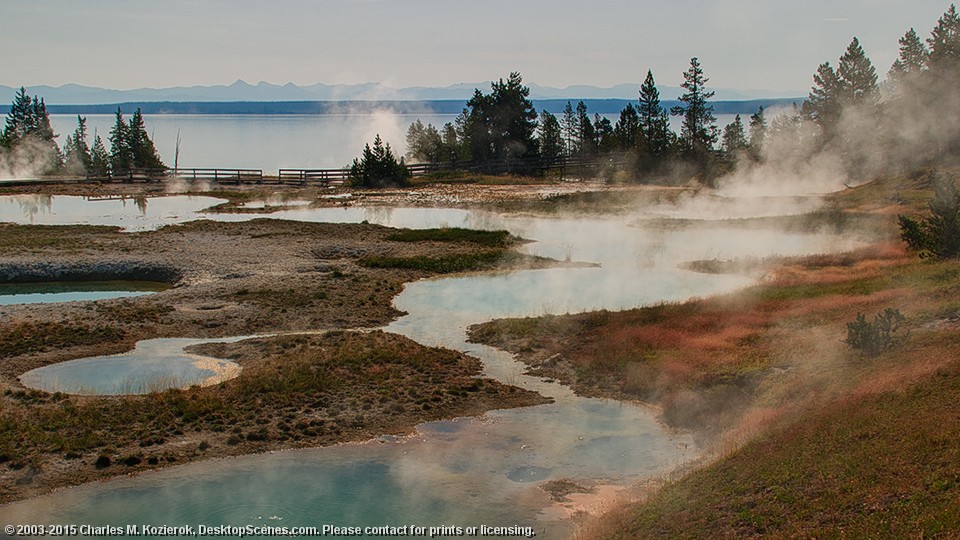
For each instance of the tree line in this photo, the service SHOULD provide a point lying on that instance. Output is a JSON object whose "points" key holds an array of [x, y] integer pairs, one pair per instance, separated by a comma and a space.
{"points": [[28, 144], [849, 115]]}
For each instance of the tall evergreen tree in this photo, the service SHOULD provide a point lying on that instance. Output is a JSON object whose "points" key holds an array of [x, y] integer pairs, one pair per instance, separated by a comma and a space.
{"points": [[501, 125], [585, 132], [19, 120], [121, 156], [698, 132], [550, 136], [734, 137], [378, 167], [823, 105], [654, 122], [603, 132], [99, 159], [142, 150], [627, 128], [571, 130], [858, 77], [944, 43], [76, 152], [758, 134], [910, 64]]}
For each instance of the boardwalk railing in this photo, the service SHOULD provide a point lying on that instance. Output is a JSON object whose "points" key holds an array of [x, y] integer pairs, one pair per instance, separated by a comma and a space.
{"points": [[580, 166], [218, 175]]}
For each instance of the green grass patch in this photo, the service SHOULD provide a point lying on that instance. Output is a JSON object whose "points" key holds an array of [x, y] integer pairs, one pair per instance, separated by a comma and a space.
{"points": [[32, 238], [446, 234], [29, 337], [445, 264]]}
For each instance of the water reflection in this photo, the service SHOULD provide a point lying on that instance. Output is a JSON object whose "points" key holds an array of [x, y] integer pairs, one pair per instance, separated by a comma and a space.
{"points": [[143, 214]]}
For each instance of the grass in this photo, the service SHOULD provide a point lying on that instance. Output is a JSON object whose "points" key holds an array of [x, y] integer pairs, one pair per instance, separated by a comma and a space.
{"points": [[443, 264], [38, 238], [447, 234], [30, 337], [868, 466]]}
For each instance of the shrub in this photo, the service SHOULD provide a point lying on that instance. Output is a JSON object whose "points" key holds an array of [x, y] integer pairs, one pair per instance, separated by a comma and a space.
{"points": [[936, 235], [876, 337]]}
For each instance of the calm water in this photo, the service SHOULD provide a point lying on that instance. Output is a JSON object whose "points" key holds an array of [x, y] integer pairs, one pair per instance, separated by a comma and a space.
{"points": [[467, 471], [271, 142], [130, 213], [41, 293], [153, 366]]}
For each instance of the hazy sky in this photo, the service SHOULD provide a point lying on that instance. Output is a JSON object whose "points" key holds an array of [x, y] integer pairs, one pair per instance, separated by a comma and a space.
{"points": [[742, 44]]}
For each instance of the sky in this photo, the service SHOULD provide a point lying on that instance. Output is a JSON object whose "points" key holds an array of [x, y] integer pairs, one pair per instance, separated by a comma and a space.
{"points": [[742, 44]]}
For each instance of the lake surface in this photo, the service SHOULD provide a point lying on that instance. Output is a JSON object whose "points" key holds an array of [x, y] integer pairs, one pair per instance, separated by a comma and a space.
{"points": [[74, 291], [271, 142], [468, 471]]}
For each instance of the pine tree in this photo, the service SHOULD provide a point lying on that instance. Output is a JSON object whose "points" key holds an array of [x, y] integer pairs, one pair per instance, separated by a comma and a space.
{"points": [[76, 153], [99, 159], [571, 130], [911, 63], [550, 136], [378, 167], [143, 153], [627, 128], [698, 132], [823, 105], [858, 77], [501, 125], [19, 120], [424, 143], [944, 43], [653, 120], [758, 134], [734, 138], [603, 132], [121, 157], [585, 132]]}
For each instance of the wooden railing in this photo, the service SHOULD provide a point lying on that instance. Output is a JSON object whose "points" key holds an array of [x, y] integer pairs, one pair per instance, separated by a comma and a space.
{"points": [[218, 175]]}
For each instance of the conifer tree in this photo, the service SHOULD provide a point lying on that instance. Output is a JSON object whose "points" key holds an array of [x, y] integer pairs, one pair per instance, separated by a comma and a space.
{"points": [[944, 43], [378, 167], [626, 129], [571, 130], [858, 77], [698, 132], [734, 137], [758, 134], [654, 122], [121, 157], [910, 64], [143, 153], [550, 136], [19, 119], [585, 132], [823, 105], [76, 153], [99, 159]]}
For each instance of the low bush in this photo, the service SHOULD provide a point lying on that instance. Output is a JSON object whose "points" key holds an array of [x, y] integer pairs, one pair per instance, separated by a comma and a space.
{"points": [[876, 337]]}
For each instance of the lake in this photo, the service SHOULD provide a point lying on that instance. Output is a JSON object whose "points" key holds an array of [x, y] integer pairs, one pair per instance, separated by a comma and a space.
{"points": [[271, 142]]}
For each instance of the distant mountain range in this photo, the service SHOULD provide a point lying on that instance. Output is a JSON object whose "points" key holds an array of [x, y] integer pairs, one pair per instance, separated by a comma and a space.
{"points": [[74, 94]]}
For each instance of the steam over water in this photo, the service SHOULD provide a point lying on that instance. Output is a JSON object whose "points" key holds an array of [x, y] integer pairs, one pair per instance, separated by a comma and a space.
{"points": [[468, 471]]}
